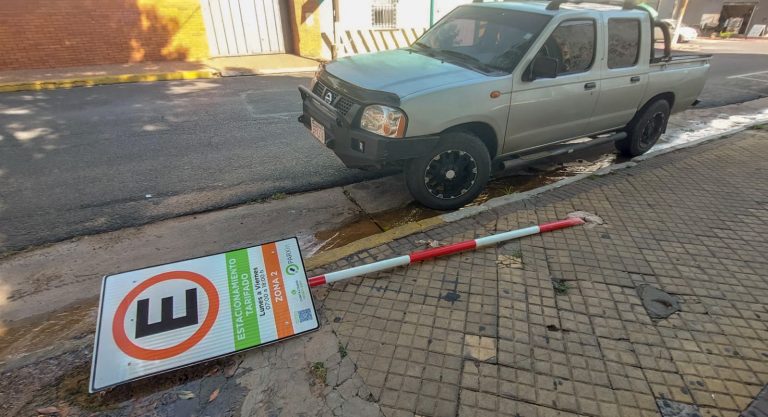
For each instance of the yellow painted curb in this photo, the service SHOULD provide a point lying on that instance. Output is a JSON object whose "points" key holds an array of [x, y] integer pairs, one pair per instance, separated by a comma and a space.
{"points": [[107, 79], [333, 255]]}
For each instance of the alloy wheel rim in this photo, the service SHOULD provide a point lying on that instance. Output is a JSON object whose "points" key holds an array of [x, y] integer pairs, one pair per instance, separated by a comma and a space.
{"points": [[450, 174], [652, 129]]}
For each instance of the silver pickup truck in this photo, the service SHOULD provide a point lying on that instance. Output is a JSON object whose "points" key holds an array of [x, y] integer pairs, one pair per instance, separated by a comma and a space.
{"points": [[495, 85]]}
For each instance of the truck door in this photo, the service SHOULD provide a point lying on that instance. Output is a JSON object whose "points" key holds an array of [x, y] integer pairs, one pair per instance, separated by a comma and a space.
{"points": [[547, 110], [624, 72]]}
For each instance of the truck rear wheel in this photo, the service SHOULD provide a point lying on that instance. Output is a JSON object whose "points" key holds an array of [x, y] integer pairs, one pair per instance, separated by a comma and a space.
{"points": [[644, 131], [452, 174]]}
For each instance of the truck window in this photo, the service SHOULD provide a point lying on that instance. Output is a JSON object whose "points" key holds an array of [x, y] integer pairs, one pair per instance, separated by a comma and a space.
{"points": [[484, 38], [572, 44], [623, 42]]}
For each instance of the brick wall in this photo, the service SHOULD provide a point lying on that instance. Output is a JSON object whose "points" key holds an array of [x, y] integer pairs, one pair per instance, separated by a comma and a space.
{"points": [[65, 33]]}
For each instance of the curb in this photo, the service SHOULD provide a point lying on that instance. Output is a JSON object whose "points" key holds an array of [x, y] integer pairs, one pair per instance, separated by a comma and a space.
{"points": [[277, 71], [370, 242], [107, 79]]}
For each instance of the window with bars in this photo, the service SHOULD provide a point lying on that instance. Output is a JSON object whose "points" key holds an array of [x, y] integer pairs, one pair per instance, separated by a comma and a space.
{"points": [[384, 14]]}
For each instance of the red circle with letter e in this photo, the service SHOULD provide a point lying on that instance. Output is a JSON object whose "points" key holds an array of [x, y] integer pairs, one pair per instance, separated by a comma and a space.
{"points": [[118, 324]]}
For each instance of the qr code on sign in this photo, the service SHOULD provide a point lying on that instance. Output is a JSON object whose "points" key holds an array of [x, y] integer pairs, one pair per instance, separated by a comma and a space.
{"points": [[305, 315]]}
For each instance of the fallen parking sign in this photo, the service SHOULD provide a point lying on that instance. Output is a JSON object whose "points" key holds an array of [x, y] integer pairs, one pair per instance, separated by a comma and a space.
{"points": [[168, 316]]}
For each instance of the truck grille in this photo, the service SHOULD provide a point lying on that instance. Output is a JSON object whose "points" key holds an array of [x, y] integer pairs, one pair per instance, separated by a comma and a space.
{"points": [[340, 102]]}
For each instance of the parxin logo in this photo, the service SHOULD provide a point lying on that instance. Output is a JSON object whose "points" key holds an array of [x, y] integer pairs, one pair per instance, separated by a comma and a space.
{"points": [[291, 269], [152, 291]]}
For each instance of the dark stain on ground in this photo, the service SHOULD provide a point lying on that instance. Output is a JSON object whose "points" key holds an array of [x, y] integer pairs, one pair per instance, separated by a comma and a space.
{"points": [[538, 174], [36, 333], [669, 408], [451, 296], [163, 395], [359, 228]]}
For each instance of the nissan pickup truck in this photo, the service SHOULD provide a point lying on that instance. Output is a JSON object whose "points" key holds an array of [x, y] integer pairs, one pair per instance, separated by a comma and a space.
{"points": [[497, 85]]}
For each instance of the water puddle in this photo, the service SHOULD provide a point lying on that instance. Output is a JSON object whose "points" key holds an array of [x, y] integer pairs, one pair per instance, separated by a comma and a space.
{"points": [[360, 228], [536, 175]]}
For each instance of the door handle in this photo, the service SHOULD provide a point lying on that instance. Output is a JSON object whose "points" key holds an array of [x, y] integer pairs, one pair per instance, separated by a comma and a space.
{"points": [[635, 79], [590, 86]]}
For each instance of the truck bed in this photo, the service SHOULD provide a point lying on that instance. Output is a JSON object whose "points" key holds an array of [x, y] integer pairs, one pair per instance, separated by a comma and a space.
{"points": [[681, 55]]}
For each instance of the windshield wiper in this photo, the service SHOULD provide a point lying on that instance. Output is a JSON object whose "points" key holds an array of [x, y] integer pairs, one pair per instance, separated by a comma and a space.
{"points": [[421, 45], [422, 48], [472, 60]]}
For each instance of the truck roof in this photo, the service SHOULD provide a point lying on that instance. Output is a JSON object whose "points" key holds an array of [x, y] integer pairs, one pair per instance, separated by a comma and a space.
{"points": [[565, 8]]}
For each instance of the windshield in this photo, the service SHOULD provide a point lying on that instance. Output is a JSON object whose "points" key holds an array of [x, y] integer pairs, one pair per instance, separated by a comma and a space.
{"points": [[490, 40]]}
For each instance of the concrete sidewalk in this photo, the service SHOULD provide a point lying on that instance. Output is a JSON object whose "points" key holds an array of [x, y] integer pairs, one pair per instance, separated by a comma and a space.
{"points": [[48, 79], [548, 325]]}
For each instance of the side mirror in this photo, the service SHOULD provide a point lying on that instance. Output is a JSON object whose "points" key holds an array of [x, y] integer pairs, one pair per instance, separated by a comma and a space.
{"points": [[543, 67]]}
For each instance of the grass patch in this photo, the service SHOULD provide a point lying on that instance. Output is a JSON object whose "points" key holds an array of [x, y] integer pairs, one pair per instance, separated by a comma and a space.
{"points": [[319, 371], [273, 197], [343, 351], [560, 286]]}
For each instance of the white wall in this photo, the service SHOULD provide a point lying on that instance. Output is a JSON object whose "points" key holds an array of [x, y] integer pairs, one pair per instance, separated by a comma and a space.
{"points": [[413, 13], [410, 13], [354, 13]]}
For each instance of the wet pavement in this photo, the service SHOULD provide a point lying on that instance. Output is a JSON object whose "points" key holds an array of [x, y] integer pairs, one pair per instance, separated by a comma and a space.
{"points": [[539, 173]]}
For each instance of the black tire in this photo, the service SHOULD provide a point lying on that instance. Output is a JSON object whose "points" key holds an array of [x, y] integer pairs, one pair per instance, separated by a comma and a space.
{"points": [[450, 175], [645, 129]]}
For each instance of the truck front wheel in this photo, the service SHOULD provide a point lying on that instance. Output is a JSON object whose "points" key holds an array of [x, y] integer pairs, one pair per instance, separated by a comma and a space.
{"points": [[452, 174], [645, 129]]}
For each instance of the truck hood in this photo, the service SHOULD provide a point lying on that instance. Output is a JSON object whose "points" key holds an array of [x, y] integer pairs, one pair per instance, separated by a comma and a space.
{"points": [[398, 71]]}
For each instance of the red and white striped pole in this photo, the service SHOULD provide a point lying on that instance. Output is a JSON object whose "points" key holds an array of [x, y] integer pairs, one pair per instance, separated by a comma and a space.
{"points": [[440, 251]]}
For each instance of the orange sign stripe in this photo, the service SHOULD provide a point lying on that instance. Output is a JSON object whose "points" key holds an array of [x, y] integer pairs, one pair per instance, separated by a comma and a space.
{"points": [[277, 290]]}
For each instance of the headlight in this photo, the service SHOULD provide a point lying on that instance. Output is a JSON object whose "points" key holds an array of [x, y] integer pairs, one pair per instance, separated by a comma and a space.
{"points": [[384, 121]]}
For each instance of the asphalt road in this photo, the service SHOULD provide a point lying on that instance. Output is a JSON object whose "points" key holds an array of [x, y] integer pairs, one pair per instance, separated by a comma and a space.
{"points": [[88, 160], [738, 71]]}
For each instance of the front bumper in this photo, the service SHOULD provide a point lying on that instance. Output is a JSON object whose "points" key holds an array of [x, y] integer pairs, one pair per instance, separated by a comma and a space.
{"points": [[358, 148]]}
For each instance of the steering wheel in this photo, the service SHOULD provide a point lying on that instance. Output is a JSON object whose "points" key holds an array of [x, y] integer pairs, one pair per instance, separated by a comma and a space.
{"points": [[510, 57]]}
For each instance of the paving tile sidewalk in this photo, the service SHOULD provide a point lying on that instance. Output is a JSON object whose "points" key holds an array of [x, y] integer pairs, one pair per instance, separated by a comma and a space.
{"points": [[486, 333]]}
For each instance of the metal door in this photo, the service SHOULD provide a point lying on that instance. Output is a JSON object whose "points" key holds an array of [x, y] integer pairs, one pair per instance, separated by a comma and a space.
{"points": [[548, 110], [243, 27]]}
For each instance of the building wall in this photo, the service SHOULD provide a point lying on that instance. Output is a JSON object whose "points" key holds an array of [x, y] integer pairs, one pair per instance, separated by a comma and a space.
{"points": [[66, 33], [697, 8], [306, 20], [354, 32]]}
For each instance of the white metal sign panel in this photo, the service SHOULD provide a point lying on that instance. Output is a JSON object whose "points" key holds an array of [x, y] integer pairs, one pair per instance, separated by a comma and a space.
{"points": [[243, 27], [168, 316]]}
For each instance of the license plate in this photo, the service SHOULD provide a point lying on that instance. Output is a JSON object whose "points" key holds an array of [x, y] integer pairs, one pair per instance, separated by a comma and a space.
{"points": [[318, 131]]}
